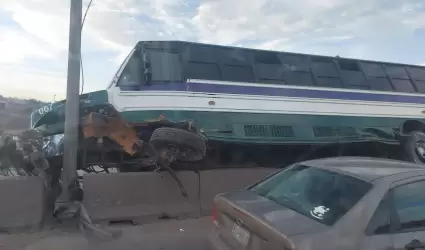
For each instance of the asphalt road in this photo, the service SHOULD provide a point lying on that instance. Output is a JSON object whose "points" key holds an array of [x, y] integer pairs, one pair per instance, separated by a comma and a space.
{"points": [[164, 235]]}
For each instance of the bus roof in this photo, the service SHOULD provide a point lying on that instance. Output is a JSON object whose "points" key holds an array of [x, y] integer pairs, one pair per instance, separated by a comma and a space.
{"points": [[225, 63], [177, 44]]}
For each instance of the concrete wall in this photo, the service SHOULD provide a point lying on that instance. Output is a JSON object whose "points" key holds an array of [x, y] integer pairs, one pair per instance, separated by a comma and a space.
{"points": [[140, 196], [22, 202], [143, 197]]}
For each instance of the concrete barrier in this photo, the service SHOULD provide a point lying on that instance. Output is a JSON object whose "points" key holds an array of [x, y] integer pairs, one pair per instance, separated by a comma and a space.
{"points": [[216, 181], [140, 197], [143, 197], [22, 202]]}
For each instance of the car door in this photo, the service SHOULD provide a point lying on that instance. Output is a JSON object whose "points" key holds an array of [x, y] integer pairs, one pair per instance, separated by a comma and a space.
{"points": [[408, 213]]}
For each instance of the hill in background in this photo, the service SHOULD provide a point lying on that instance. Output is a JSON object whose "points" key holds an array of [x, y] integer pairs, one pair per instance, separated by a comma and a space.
{"points": [[15, 113]]}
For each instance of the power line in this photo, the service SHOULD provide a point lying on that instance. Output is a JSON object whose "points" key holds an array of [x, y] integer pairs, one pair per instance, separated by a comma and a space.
{"points": [[85, 14], [81, 57]]}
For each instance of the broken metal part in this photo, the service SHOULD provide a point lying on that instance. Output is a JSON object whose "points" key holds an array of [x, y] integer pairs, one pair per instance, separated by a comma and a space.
{"points": [[109, 142], [166, 157], [115, 128], [101, 158]]}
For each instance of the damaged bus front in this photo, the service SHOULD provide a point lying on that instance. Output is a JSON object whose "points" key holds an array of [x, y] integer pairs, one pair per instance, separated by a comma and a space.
{"points": [[107, 140]]}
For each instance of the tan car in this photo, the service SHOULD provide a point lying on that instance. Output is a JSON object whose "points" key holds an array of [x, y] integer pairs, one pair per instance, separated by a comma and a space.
{"points": [[336, 203]]}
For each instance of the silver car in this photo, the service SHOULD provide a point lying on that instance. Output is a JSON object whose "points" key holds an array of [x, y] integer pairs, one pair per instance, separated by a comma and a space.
{"points": [[335, 203]]}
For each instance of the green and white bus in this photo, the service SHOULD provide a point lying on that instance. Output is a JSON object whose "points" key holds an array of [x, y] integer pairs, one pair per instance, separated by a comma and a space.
{"points": [[256, 97]]}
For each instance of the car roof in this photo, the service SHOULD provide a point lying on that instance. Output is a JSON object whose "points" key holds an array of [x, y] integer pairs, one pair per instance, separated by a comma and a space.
{"points": [[366, 168]]}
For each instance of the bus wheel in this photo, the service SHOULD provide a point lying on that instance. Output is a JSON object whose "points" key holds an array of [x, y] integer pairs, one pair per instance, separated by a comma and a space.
{"points": [[191, 146], [414, 147]]}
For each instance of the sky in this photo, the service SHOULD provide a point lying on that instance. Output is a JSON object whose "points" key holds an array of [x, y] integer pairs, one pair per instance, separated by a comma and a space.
{"points": [[34, 34]]}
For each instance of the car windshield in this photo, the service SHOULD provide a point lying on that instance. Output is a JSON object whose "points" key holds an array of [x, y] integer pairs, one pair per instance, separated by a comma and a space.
{"points": [[322, 195]]}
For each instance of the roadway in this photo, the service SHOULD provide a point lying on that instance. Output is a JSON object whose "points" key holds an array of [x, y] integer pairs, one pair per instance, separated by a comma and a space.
{"points": [[163, 235]]}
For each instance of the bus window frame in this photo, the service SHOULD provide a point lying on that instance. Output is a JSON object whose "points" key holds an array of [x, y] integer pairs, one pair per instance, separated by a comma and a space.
{"points": [[117, 76]]}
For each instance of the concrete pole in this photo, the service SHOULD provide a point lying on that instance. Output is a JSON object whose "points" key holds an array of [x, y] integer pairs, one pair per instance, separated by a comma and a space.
{"points": [[69, 173]]}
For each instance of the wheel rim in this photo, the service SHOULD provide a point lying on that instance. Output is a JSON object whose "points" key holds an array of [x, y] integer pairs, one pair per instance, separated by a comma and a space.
{"points": [[420, 150]]}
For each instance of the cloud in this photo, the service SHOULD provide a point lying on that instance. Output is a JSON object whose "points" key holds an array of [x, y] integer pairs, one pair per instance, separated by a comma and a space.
{"points": [[16, 46], [119, 25], [274, 24], [23, 82], [303, 22], [115, 25], [41, 22], [368, 29]]}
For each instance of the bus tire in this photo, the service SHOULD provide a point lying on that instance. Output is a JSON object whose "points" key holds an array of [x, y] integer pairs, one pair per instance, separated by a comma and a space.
{"points": [[193, 145], [414, 147]]}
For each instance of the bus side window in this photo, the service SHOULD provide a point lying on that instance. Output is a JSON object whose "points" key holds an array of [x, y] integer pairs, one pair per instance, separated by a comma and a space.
{"points": [[165, 66], [235, 65], [380, 84], [352, 76], [417, 75], [325, 72], [202, 71], [268, 67], [237, 73], [420, 85], [296, 70], [376, 76], [402, 85]]}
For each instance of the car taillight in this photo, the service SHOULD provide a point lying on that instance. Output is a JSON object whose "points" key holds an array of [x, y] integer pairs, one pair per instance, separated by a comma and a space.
{"points": [[215, 226], [214, 213], [214, 216]]}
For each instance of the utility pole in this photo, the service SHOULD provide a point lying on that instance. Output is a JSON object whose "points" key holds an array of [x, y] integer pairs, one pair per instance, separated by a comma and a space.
{"points": [[69, 173]]}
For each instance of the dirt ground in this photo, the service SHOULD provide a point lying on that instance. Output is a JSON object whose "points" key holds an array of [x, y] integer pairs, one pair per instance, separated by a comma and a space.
{"points": [[163, 235]]}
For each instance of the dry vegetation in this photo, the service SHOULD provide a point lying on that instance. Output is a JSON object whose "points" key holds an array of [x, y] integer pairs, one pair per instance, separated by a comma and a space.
{"points": [[15, 113]]}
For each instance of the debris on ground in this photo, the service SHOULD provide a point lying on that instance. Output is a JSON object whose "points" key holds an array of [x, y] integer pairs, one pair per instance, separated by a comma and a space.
{"points": [[21, 156]]}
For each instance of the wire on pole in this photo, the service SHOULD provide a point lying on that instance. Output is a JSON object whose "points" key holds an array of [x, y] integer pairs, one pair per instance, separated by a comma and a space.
{"points": [[81, 56]]}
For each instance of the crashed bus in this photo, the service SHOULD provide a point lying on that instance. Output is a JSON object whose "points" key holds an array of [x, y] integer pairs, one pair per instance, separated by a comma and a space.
{"points": [[183, 99]]}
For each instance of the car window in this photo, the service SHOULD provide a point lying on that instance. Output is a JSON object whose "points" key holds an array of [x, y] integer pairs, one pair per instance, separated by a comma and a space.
{"points": [[409, 205], [380, 222], [322, 195]]}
